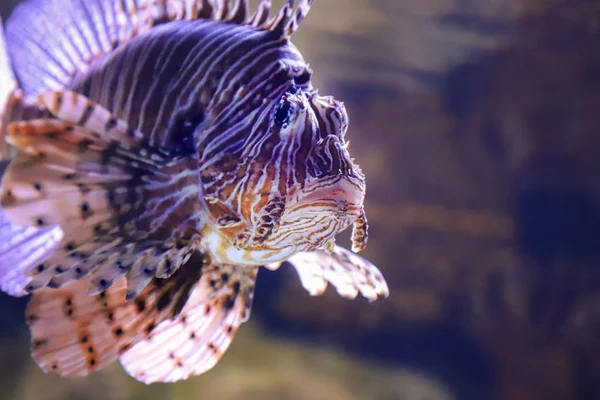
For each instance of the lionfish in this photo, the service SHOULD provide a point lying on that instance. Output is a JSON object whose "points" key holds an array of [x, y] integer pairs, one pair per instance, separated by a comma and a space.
{"points": [[161, 152]]}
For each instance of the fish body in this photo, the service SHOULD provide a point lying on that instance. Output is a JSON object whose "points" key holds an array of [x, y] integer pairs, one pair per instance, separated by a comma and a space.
{"points": [[161, 151]]}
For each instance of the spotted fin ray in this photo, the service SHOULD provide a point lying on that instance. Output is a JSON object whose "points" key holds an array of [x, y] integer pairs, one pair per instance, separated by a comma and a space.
{"points": [[8, 82], [174, 329], [52, 42], [116, 199], [197, 339], [8, 86], [349, 273], [22, 249], [75, 334]]}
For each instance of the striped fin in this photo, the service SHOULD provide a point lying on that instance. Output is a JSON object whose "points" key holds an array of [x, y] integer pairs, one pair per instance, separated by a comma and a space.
{"points": [[123, 209], [8, 81], [349, 273], [8, 86], [195, 341], [51, 42], [287, 21], [284, 23], [74, 334], [22, 250]]}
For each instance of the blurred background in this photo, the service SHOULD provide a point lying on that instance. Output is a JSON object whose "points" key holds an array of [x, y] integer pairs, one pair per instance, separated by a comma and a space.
{"points": [[477, 124]]}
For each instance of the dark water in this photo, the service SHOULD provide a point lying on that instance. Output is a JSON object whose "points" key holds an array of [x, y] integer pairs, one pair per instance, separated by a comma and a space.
{"points": [[477, 124]]}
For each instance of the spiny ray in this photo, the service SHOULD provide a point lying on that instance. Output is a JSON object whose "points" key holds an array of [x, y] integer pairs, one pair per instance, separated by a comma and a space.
{"points": [[22, 249], [66, 50], [349, 273], [75, 334], [195, 341], [116, 199]]}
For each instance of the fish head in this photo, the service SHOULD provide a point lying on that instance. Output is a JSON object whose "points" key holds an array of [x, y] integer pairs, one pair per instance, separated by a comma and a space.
{"points": [[307, 188]]}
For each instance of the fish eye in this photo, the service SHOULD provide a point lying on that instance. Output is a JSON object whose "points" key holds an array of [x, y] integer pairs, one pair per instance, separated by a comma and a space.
{"points": [[183, 134], [282, 114], [303, 79]]}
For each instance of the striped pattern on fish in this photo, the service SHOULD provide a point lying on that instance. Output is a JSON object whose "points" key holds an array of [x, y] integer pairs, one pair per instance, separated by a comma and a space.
{"points": [[169, 144]]}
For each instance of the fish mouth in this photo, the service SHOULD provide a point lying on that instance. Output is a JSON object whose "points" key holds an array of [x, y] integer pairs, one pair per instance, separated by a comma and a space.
{"points": [[332, 207], [344, 200], [346, 195]]}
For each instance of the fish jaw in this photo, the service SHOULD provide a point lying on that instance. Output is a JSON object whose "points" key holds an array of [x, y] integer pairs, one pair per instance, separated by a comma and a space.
{"points": [[221, 250]]}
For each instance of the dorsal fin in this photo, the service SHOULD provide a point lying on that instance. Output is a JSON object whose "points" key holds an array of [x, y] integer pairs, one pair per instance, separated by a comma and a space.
{"points": [[8, 84], [7, 77], [50, 42]]}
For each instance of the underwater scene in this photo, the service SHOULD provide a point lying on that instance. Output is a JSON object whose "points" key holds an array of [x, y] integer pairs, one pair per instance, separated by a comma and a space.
{"points": [[476, 124]]}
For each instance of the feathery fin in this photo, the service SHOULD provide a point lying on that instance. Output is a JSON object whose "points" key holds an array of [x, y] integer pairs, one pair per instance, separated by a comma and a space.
{"points": [[286, 22], [74, 334], [195, 341], [298, 17], [8, 82], [239, 12], [349, 273], [8, 86], [51, 42], [114, 197], [22, 250], [261, 15]]}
